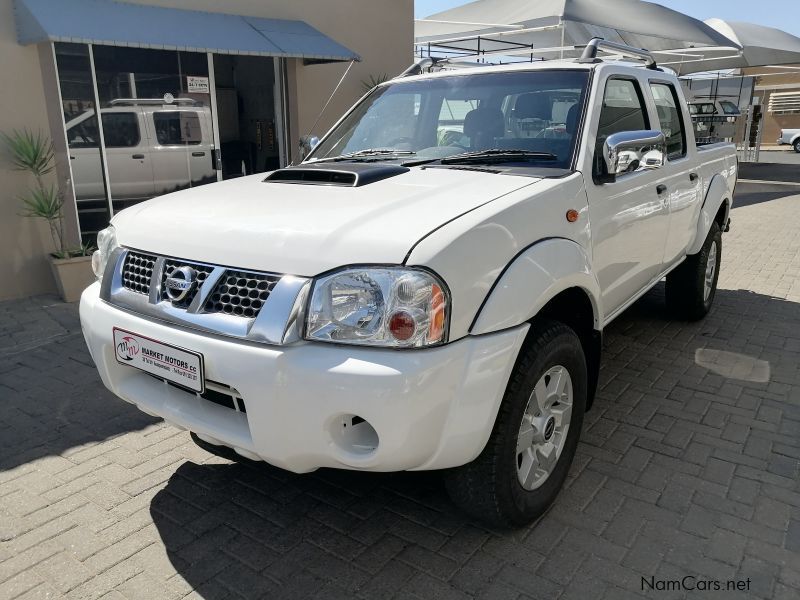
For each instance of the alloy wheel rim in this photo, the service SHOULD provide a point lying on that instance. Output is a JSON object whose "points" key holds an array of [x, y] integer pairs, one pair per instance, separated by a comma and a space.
{"points": [[545, 424], [711, 267]]}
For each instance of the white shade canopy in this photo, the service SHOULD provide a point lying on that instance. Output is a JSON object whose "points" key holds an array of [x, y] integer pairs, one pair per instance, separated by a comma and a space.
{"points": [[760, 46], [547, 24]]}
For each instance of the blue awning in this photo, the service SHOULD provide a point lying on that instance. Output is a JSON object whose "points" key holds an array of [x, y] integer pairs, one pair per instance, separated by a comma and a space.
{"points": [[136, 25]]}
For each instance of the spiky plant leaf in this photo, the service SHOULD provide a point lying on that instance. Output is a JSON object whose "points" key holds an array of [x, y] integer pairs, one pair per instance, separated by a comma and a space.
{"points": [[30, 151], [42, 202]]}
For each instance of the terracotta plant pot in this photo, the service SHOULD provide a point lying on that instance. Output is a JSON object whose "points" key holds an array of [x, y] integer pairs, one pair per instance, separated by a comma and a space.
{"points": [[73, 275]]}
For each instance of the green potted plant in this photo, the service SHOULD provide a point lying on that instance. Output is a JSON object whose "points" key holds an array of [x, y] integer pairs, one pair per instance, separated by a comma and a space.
{"points": [[33, 153]]}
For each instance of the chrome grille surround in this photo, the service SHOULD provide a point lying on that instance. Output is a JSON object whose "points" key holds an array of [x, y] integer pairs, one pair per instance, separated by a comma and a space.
{"points": [[276, 315]]}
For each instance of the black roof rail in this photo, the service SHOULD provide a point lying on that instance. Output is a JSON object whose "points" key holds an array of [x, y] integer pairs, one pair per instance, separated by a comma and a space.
{"points": [[590, 52], [419, 66]]}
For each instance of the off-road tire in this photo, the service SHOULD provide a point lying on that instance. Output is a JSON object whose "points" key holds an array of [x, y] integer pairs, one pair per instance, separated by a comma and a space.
{"points": [[685, 290], [488, 488]]}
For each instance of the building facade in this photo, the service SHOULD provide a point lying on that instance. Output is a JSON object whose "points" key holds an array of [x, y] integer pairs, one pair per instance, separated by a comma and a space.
{"points": [[778, 93], [188, 92]]}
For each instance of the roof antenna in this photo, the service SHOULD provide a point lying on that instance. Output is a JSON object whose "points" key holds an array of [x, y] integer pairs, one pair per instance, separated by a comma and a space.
{"points": [[308, 142]]}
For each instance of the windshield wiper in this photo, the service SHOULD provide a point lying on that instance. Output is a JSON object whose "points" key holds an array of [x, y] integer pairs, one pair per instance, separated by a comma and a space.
{"points": [[497, 155], [370, 153]]}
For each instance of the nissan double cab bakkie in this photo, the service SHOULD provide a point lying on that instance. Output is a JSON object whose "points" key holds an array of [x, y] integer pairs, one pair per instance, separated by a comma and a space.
{"points": [[428, 289]]}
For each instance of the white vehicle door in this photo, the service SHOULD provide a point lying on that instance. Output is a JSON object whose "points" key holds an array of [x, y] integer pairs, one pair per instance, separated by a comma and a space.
{"points": [[680, 173], [183, 150], [130, 171], [83, 140], [629, 218]]}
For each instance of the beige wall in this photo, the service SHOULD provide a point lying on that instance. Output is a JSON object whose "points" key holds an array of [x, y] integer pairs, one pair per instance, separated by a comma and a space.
{"points": [[24, 243], [786, 80], [380, 31]]}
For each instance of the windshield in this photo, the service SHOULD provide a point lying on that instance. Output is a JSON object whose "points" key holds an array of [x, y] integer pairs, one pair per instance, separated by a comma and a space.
{"points": [[532, 111]]}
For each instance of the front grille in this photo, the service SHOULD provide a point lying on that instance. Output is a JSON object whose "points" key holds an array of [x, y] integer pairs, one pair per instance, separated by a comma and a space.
{"points": [[218, 292], [138, 271], [240, 293], [170, 264]]}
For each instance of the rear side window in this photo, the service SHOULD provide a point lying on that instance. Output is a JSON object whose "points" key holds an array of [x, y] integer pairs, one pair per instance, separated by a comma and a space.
{"points": [[670, 118], [177, 128], [84, 134], [121, 130], [623, 109]]}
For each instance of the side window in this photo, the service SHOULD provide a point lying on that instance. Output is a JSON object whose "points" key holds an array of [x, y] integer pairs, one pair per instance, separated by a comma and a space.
{"points": [[120, 130], [623, 109], [84, 134], [670, 118], [177, 128]]}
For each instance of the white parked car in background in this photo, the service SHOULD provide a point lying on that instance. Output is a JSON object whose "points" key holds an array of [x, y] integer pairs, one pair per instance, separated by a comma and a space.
{"points": [[394, 303], [791, 137], [153, 147]]}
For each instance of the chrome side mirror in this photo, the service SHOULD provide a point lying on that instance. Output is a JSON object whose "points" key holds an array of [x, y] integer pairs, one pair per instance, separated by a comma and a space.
{"points": [[630, 152]]}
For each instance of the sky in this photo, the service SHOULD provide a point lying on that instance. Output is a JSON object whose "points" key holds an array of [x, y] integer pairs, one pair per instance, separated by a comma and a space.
{"points": [[783, 14]]}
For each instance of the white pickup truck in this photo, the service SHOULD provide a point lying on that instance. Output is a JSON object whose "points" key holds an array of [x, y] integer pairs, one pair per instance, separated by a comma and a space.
{"points": [[424, 291], [791, 137]]}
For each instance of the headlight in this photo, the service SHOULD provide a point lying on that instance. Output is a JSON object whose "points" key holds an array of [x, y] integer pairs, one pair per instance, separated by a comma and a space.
{"points": [[106, 243], [392, 307]]}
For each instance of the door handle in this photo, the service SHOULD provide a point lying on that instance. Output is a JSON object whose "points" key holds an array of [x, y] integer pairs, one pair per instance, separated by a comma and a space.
{"points": [[71, 157], [661, 188], [138, 156], [198, 153], [693, 176]]}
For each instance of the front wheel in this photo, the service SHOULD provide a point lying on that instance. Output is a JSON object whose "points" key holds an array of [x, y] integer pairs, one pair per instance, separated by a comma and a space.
{"points": [[797, 146], [531, 447], [692, 286]]}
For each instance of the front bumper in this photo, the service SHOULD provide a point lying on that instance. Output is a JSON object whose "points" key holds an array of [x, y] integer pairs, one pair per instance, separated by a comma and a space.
{"points": [[431, 409]]}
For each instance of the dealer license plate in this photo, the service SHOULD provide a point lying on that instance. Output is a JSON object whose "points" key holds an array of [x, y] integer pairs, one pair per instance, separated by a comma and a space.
{"points": [[177, 365]]}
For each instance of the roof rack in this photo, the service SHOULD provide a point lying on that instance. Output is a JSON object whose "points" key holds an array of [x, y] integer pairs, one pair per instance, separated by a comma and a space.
{"points": [[590, 52], [589, 55], [152, 101]]}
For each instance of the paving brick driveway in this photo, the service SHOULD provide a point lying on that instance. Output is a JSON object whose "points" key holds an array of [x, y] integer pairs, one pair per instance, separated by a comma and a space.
{"points": [[688, 466]]}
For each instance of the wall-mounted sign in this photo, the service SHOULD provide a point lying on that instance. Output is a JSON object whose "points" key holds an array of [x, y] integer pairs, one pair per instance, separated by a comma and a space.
{"points": [[197, 85]]}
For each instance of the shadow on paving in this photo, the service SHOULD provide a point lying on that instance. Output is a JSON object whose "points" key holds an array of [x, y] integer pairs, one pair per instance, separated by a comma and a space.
{"points": [[51, 398], [252, 530], [748, 194], [766, 171]]}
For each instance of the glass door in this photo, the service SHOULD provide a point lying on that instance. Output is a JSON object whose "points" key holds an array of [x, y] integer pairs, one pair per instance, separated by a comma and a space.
{"points": [[157, 121], [161, 128], [83, 138], [249, 129]]}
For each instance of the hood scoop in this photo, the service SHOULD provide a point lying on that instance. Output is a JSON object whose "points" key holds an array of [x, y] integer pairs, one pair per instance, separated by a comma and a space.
{"points": [[343, 175]]}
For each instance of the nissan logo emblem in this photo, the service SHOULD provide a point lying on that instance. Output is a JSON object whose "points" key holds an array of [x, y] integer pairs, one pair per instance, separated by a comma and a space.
{"points": [[180, 282]]}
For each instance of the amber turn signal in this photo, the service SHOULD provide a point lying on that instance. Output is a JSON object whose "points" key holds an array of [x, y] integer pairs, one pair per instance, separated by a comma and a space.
{"points": [[572, 215]]}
